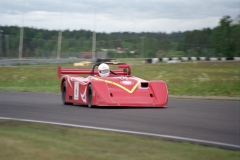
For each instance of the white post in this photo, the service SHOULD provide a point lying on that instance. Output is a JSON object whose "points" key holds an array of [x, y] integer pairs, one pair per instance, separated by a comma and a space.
{"points": [[93, 45], [1, 31], [20, 43], [60, 37], [7, 45], [94, 37], [142, 46], [59, 44], [21, 33]]}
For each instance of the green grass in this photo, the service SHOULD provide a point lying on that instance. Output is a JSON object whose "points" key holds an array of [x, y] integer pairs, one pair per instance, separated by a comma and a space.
{"points": [[219, 79], [27, 141], [215, 78]]}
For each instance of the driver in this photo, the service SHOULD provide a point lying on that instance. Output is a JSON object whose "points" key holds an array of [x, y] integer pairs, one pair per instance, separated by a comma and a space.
{"points": [[103, 70]]}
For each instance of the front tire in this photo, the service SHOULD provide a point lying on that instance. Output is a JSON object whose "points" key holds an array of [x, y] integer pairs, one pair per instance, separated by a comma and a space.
{"points": [[64, 88], [89, 96]]}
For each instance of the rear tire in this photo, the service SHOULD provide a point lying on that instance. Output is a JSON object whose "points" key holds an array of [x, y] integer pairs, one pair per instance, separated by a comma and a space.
{"points": [[64, 88], [89, 96]]}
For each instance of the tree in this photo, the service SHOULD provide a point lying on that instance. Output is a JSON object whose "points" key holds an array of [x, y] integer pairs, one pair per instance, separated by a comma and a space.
{"points": [[222, 36]]}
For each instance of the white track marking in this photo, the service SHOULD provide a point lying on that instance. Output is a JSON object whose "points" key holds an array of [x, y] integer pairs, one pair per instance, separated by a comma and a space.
{"points": [[210, 143]]}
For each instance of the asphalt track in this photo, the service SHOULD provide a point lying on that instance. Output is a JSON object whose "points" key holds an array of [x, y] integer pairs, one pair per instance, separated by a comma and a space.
{"points": [[210, 122]]}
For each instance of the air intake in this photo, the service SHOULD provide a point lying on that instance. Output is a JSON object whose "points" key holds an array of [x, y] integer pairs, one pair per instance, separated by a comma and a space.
{"points": [[144, 84]]}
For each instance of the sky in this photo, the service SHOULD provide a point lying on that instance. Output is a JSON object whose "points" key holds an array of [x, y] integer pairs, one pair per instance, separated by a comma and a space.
{"points": [[117, 15]]}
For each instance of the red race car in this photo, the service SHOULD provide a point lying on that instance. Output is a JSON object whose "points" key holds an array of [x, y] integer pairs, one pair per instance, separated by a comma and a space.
{"points": [[105, 87]]}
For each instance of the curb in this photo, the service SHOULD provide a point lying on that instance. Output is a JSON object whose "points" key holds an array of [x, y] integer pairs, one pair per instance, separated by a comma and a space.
{"points": [[179, 59]]}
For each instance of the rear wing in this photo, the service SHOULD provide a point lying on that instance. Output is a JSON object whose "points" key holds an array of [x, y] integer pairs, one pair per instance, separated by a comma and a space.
{"points": [[126, 70]]}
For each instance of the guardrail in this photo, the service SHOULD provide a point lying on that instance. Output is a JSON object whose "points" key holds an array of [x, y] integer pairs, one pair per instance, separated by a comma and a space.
{"points": [[39, 61], [7, 62]]}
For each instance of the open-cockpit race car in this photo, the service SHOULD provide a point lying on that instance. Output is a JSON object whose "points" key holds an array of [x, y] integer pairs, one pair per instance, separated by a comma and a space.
{"points": [[110, 87]]}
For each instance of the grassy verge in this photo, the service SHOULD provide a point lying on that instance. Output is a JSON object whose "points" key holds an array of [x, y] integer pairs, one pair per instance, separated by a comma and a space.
{"points": [[25, 140], [219, 79], [215, 78]]}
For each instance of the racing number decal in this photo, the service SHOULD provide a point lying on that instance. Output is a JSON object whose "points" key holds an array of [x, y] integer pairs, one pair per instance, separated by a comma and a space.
{"points": [[76, 90]]}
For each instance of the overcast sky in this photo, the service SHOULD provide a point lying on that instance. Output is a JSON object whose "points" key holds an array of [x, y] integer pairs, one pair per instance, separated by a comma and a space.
{"points": [[117, 15]]}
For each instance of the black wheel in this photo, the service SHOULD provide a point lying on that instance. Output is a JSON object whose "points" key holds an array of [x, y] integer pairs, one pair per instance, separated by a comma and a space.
{"points": [[89, 96], [64, 94]]}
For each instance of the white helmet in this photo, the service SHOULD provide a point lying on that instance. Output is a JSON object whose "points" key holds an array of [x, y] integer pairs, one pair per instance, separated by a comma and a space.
{"points": [[103, 70]]}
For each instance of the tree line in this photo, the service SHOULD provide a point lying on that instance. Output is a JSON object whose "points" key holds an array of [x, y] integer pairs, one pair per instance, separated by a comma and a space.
{"points": [[221, 41]]}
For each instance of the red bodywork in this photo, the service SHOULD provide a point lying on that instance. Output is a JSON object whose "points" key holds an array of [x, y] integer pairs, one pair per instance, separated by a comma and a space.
{"points": [[116, 90]]}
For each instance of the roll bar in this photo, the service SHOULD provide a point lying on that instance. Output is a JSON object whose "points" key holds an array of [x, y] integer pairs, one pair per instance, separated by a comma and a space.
{"points": [[126, 70]]}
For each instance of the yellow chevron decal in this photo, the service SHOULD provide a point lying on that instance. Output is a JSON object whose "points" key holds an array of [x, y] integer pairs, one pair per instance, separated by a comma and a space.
{"points": [[116, 84]]}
